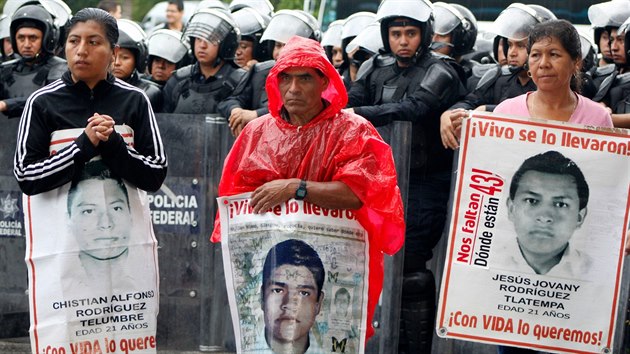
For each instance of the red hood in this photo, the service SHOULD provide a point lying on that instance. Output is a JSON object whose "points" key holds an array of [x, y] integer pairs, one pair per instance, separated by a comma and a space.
{"points": [[304, 52]]}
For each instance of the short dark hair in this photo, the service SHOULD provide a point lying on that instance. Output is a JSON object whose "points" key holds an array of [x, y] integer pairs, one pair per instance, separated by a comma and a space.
{"points": [[296, 253], [108, 5], [94, 170], [567, 35], [110, 26], [178, 3], [552, 162]]}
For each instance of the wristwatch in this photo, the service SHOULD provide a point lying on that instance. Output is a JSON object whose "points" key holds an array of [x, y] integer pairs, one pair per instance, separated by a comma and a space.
{"points": [[300, 193]]}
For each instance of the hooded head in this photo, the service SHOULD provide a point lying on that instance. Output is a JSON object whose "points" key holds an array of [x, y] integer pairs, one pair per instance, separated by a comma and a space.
{"points": [[303, 52]]}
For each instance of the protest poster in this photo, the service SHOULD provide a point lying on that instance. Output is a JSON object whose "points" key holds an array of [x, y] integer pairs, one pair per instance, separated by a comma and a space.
{"points": [[296, 277], [92, 263], [539, 219]]}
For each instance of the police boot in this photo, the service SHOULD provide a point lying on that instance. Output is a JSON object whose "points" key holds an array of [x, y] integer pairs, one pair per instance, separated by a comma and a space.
{"points": [[417, 313]]}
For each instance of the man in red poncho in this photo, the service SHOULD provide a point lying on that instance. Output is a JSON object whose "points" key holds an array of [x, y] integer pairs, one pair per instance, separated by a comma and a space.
{"points": [[308, 148]]}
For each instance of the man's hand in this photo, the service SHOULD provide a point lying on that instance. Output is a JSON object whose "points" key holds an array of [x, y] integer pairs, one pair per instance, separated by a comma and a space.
{"points": [[239, 118], [451, 126], [3, 106], [273, 193], [99, 128]]}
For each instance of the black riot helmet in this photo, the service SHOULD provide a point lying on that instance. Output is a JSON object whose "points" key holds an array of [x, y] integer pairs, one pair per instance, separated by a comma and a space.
{"points": [[264, 7], [624, 29], [35, 16], [354, 24], [607, 15], [458, 21], [166, 44], [131, 36], [332, 38], [589, 54], [365, 44], [414, 12], [252, 24], [215, 26], [516, 22], [285, 24]]}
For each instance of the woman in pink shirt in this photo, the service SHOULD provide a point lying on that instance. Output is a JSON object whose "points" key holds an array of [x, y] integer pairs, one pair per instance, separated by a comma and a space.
{"points": [[554, 62]]}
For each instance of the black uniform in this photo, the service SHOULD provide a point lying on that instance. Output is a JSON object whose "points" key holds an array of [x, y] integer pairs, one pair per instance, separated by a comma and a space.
{"points": [[19, 79], [382, 93], [188, 91], [250, 92], [614, 91], [65, 104], [496, 85], [153, 91]]}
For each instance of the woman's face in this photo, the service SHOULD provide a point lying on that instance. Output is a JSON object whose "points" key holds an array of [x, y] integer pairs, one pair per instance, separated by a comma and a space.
{"points": [[551, 65], [124, 64], [88, 52]]}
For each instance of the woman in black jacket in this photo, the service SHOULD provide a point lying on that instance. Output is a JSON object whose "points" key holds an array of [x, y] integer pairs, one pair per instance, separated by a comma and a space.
{"points": [[110, 118]]}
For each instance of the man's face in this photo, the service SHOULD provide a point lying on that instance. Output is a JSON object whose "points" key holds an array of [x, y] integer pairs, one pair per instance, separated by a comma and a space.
{"points": [[124, 63], [604, 44], [337, 57], [100, 218], [404, 41], [617, 47], [173, 15], [517, 52], [290, 303], [205, 52], [443, 38], [277, 47], [301, 91], [162, 69], [29, 41], [342, 302], [244, 52], [545, 212], [6, 46]]}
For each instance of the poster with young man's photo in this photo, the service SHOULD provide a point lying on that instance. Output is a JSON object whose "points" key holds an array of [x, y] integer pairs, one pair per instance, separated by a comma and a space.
{"points": [[537, 233], [296, 277], [92, 263]]}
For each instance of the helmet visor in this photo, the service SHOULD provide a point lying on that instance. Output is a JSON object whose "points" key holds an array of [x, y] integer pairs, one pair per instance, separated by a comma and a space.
{"points": [[284, 26], [418, 10], [445, 19], [515, 22], [332, 37], [208, 27]]}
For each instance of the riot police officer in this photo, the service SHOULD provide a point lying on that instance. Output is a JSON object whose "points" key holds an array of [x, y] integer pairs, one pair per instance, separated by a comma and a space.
{"points": [[365, 45], [454, 36], [166, 52], [252, 24], [409, 83], [614, 91], [331, 41], [34, 37], [353, 25], [606, 18], [131, 60], [199, 87], [5, 36], [249, 99]]}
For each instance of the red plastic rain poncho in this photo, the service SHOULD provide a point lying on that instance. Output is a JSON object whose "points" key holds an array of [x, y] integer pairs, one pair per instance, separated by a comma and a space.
{"points": [[334, 146]]}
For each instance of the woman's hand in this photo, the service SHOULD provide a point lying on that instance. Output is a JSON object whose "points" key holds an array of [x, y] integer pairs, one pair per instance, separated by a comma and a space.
{"points": [[451, 126], [99, 128]]}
